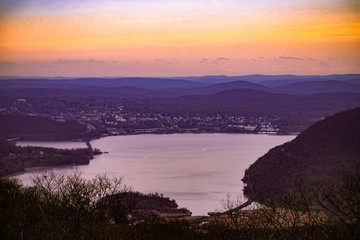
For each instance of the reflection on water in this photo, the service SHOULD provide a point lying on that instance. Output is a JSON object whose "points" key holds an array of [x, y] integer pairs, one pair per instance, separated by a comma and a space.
{"points": [[195, 169]]}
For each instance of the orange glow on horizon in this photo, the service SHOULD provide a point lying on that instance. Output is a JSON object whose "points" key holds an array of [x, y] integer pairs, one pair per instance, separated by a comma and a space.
{"points": [[235, 35]]}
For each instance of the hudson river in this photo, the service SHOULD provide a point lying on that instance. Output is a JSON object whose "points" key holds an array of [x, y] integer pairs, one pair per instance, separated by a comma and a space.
{"points": [[197, 170]]}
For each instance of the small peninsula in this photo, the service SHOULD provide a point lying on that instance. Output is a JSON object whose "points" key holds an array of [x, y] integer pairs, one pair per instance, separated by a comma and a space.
{"points": [[15, 159]]}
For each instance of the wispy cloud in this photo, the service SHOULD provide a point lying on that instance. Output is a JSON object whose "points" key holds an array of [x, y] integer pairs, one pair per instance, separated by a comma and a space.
{"points": [[66, 61], [323, 63], [59, 62], [165, 61], [8, 64], [291, 58], [222, 59], [43, 64], [94, 61], [204, 60]]}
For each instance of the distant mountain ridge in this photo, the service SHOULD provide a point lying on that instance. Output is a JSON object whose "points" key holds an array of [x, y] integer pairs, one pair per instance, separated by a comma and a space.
{"points": [[174, 87], [219, 87], [291, 84], [325, 151], [311, 87], [272, 80], [148, 83]]}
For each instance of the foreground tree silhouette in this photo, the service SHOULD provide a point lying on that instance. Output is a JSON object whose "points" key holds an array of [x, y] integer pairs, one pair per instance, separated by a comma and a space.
{"points": [[70, 207], [324, 210], [66, 206]]}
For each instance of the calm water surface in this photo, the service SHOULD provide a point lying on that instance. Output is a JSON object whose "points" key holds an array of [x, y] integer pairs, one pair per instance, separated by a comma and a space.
{"points": [[197, 170]]}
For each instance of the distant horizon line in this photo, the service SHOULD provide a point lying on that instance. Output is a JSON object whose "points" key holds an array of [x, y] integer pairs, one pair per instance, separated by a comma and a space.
{"points": [[189, 76]]}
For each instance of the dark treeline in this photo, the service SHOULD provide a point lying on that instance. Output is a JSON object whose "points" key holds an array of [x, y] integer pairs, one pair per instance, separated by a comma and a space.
{"points": [[69, 207]]}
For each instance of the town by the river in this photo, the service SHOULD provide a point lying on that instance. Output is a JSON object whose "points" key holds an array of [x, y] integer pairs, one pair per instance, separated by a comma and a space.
{"points": [[197, 170]]}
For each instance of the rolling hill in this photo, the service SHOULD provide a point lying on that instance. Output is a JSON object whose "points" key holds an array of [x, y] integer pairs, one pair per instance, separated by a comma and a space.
{"points": [[251, 102], [327, 150], [174, 87], [273, 80], [311, 87]]}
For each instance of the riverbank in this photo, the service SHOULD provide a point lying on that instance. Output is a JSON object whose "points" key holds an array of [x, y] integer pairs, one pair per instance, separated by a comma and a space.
{"points": [[153, 131], [189, 131], [17, 159]]}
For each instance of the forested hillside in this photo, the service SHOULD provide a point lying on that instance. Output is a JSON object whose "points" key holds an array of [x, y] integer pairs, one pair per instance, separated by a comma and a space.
{"points": [[28, 127], [326, 151]]}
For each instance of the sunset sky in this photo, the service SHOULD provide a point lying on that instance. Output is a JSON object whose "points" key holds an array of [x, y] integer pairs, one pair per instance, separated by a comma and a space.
{"points": [[178, 38]]}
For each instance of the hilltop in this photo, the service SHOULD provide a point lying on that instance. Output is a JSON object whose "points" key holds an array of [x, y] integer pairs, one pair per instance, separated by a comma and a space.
{"points": [[326, 151]]}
